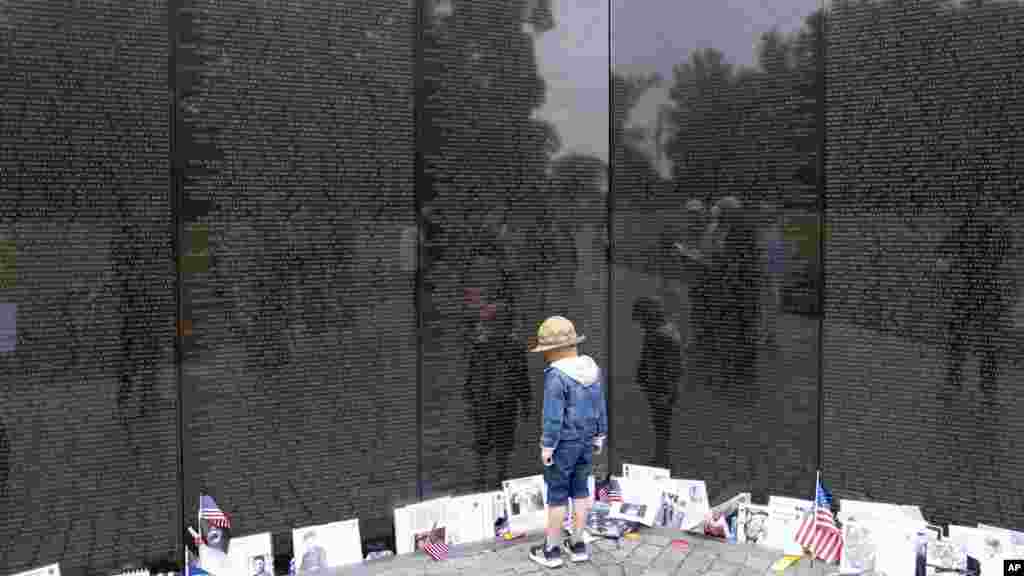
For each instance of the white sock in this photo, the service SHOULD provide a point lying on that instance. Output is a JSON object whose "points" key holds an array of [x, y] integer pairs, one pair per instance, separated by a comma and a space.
{"points": [[551, 542]]}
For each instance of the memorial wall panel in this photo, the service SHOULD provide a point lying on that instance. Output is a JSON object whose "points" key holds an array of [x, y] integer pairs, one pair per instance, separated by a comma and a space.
{"points": [[300, 366], [512, 219], [715, 282], [88, 451], [923, 329]]}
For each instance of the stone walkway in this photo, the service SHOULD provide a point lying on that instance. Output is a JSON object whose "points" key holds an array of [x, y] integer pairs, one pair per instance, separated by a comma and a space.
{"points": [[650, 555]]}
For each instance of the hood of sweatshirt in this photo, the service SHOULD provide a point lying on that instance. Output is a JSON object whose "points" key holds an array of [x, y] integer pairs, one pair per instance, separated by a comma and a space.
{"points": [[582, 369]]}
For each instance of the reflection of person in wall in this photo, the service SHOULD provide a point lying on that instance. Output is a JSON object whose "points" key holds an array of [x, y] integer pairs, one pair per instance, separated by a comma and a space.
{"points": [[972, 259], [736, 276], [314, 559], [259, 567], [497, 388], [691, 247], [659, 370]]}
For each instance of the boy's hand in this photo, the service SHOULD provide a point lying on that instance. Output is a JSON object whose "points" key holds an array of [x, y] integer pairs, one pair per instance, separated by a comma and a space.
{"points": [[598, 444], [547, 456]]}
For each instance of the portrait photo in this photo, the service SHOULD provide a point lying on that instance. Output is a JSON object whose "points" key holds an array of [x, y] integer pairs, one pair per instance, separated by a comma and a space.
{"points": [[252, 555], [261, 566], [526, 502], [317, 548]]}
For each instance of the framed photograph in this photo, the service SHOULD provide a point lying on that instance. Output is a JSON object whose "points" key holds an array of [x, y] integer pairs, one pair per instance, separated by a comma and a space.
{"points": [[881, 510], [1014, 540], [989, 545], [859, 546], [49, 570], [326, 546], [252, 555], [416, 519], [469, 519], [898, 550], [641, 500], [684, 503], [948, 555], [636, 472], [525, 499], [785, 515], [752, 525], [436, 534]]}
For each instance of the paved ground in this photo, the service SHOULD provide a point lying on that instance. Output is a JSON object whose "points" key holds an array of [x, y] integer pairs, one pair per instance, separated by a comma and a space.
{"points": [[650, 555]]}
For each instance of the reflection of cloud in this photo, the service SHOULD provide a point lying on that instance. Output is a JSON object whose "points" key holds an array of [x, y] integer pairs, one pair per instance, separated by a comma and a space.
{"points": [[573, 59]]}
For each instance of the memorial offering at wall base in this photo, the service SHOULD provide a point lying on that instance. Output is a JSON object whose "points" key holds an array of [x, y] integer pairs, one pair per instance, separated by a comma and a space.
{"points": [[641, 500], [637, 472], [471, 518], [415, 519], [327, 546], [753, 526], [601, 524], [252, 555], [525, 499], [684, 503], [784, 518], [48, 570]]}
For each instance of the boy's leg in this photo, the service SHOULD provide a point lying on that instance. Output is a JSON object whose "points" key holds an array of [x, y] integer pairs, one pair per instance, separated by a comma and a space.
{"points": [[556, 477], [581, 497]]}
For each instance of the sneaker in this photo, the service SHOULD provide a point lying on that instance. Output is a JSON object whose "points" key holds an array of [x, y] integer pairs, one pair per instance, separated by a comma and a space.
{"points": [[578, 551], [547, 557]]}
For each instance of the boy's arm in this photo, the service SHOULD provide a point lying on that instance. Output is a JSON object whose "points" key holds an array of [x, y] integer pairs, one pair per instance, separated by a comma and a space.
{"points": [[602, 417], [554, 410]]}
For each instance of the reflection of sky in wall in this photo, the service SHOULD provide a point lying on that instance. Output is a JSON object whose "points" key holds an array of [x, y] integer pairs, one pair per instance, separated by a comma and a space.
{"points": [[573, 59], [648, 35], [655, 35]]}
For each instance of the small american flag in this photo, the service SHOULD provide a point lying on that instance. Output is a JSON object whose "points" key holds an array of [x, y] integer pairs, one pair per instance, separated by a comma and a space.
{"points": [[614, 494], [197, 538], [602, 493], [209, 511], [818, 531], [291, 567], [568, 520], [438, 550]]}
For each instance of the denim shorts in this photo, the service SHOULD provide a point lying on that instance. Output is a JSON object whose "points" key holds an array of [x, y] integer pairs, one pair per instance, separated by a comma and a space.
{"points": [[569, 474]]}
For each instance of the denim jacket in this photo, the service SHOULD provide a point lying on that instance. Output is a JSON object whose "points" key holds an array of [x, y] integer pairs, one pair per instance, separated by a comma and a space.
{"points": [[575, 409]]}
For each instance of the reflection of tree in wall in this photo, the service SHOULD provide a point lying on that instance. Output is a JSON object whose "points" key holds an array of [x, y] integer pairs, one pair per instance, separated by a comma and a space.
{"points": [[483, 149], [636, 179], [748, 132]]}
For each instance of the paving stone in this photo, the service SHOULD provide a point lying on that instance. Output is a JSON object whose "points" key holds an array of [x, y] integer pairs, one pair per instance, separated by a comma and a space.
{"points": [[659, 539], [720, 568], [645, 554], [760, 561], [669, 560], [630, 568], [580, 569], [612, 570], [599, 558], [734, 555], [604, 544], [712, 545], [697, 562]]}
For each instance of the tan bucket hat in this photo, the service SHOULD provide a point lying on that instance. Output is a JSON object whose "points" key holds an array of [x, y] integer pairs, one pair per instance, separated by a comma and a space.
{"points": [[555, 332]]}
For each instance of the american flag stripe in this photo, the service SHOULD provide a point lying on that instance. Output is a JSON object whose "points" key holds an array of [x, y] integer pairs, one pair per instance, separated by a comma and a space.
{"points": [[215, 516], [823, 537], [436, 550]]}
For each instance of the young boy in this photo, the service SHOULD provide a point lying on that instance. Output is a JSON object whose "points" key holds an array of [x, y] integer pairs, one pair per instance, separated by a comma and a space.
{"points": [[575, 427]]}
